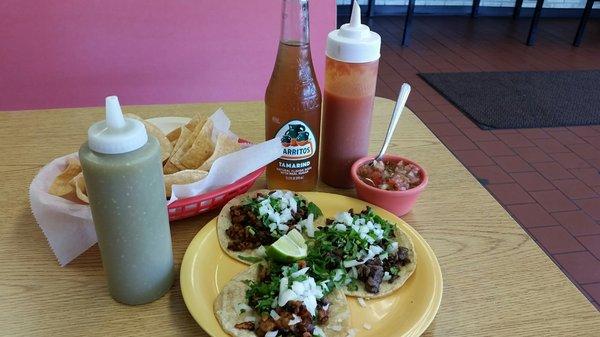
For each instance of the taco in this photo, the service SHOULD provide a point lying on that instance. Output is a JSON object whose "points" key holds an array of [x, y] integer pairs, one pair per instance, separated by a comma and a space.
{"points": [[256, 219], [368, 255], [269, 299]]}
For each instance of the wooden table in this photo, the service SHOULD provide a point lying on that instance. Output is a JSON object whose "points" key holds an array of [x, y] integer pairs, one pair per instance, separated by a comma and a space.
{"points": [[497, 282]]}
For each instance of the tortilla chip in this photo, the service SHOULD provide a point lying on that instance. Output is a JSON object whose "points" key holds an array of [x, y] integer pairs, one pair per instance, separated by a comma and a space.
{"points": [[169, 168], [184, 135], [225, 145], [186, 144], [183, 177], [165, 145], [201, 149], [80, 190], [198, 119], [60, 186], [174, 135]]}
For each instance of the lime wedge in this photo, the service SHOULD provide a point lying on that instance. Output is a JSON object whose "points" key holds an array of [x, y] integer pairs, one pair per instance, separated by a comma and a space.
{"points": [[295, 236], [288, 248]]}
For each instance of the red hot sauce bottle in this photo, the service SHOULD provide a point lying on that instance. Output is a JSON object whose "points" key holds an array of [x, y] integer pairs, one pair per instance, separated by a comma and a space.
{"points": [[350, 79]]}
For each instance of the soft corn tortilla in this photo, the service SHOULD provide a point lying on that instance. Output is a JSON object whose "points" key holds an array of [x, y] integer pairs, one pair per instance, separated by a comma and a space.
{"points": [[224, 222], [234, 293], [387, 288]]}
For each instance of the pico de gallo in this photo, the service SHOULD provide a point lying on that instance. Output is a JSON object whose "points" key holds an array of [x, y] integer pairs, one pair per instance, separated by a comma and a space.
{"points": [[390, 176]]}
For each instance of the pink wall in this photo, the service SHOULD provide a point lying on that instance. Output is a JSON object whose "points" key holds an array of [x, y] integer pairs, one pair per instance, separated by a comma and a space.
{"points": [[72, 53]]}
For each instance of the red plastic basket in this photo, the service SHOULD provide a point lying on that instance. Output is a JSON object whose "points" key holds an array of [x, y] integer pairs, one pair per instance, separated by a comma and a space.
{"points": [[188, 207]]}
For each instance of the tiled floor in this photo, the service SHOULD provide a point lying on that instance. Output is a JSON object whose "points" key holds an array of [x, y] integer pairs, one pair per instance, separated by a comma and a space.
{"points": [[548, 179]]}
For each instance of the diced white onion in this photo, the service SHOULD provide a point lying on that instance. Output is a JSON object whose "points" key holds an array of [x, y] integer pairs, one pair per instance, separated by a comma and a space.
{"points": [[351, 333], [338, 275], [283, 284], [306, 291], [286, 215], [310, 302], [288, 206], [352, 263], [367, 326], [336, 328], [375, 249], [386, 276], [274, 314], [392, 247], [272, 333], [275, 217], [262, 210], [300, 272], [293, 204], [308, 224], [318, 332], [361, 302], [344, 217], [353, 273], [298, 287], [340, 227], [295, 320], [286, 296]]}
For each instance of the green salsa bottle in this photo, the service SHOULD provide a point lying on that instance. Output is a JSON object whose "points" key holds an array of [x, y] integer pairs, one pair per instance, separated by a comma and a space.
{"points": [[124, 179]]}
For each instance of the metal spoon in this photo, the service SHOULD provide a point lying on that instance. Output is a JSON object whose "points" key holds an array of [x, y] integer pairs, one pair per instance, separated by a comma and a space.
{"points": [[400, 103]]}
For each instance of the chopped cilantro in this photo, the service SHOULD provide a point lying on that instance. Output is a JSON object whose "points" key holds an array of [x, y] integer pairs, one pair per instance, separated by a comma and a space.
{"points": [[260, 295], [352, 286], [314, 210], [331, 247]]}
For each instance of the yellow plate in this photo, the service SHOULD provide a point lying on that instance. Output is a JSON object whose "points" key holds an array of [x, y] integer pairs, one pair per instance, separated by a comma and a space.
{"points": [[407, 312]]}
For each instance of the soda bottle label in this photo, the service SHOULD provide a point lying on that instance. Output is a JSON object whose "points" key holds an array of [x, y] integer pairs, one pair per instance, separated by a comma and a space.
{"points": [[299, 145]]}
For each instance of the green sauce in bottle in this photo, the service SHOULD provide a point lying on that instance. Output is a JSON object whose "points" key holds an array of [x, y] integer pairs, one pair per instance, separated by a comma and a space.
{"points": [[123, 172]]}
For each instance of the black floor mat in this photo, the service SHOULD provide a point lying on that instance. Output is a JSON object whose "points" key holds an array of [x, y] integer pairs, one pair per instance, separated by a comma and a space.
{"points": [[532, 99]]}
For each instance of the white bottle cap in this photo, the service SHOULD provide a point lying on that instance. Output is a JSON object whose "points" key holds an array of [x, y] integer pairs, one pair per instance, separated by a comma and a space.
{"points": [[116, 134], [354, 42]]}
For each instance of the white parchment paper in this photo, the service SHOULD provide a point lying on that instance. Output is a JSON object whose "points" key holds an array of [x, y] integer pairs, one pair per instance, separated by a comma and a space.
{"points": [[68, 225]]}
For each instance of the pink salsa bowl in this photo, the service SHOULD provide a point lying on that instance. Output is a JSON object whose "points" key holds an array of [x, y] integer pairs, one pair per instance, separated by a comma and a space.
{"points": [[397, 202]]}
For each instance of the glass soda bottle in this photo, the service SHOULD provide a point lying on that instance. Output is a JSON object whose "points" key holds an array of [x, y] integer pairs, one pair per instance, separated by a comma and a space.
{"points": [[293, 104]]}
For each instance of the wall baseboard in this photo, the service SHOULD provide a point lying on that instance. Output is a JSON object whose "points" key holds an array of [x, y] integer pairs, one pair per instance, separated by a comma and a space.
{"points": [[397, 10]]}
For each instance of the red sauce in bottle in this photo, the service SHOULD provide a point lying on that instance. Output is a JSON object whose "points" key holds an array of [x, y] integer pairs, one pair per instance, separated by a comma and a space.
{"points": [[347, 110]]}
